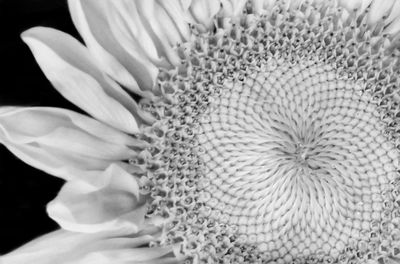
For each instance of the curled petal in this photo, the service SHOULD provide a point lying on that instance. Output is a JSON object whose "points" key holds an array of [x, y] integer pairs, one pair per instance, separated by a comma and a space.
{"points": [[105, 59], [137, 26], [204, 11], [64, 247], [61, 142], [90, 18], [67, 64], [114, 206], [130, 31], [165, 33], [178, 11]]}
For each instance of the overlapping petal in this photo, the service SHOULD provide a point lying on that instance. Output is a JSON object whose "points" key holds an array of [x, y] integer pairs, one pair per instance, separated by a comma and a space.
{"points": [[72, 71], [116, 205], [145, 28], [62, 142], [204, 11], [130, 31], [179, 15], [90, 18], [64, 247], [162, 28]]}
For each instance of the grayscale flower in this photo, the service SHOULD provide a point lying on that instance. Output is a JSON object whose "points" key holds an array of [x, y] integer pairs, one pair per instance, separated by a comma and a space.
{"points": [[220, 131]]}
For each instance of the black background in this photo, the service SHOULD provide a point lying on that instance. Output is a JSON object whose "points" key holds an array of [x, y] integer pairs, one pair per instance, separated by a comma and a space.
{"points": [[24, 191]]}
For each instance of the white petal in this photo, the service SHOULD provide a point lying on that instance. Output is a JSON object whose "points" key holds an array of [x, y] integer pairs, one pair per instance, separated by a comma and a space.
{"points": [[204, 11], [106, 61], [73, 73], [130, 31], [165, 34], [185, 4], [178, 10], [129, 255], [46, 118], [90, 18], [30, 125], [115, 206], [62, 142], [63, 247]]}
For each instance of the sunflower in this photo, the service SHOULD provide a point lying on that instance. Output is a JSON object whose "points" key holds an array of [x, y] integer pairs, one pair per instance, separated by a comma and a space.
{"points": [[218, 131]]}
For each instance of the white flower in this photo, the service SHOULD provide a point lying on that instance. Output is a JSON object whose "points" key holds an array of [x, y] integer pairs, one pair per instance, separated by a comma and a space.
{"points": [[220, 131]]}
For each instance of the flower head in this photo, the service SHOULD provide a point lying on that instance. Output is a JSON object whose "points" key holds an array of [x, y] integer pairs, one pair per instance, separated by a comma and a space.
{"points": [[260, 132]]}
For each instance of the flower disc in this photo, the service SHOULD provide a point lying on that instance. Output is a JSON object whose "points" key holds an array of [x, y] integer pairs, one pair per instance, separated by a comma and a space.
{"points": [[277, 140], [296, 159]]}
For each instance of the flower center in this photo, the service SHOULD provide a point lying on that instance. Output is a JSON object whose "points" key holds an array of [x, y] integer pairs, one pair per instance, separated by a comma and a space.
{"points": [[301, 153], [277, 140], [296, 159]]}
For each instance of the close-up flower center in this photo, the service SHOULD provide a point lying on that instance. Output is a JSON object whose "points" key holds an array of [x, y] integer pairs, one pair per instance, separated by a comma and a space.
{"points": [[290, 156], [297, 160]]}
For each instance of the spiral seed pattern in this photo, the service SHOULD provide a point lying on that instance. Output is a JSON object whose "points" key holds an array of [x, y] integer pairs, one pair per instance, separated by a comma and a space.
{"points": [[296, 159], [277, 140]]}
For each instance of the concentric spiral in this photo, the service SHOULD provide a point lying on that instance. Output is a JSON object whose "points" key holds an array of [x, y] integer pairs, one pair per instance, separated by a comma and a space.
{"points": [[278, 140], [296, 159]]}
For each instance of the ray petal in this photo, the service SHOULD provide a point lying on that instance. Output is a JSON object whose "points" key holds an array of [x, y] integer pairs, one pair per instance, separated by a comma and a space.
{"points": [[163, 29], [115, 206], [90, 19], [205, 10], [129, 29], [62, 142], [71, 70], [149, 28], [178, 10], [64, 247]]}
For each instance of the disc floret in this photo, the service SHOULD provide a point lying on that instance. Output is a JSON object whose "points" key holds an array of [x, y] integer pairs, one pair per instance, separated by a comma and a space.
{"points": [[277, 140]]}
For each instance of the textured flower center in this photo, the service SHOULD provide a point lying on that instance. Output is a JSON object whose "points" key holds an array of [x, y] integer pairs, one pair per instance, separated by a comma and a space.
{"points": [[296, 159], [277, 140]]}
